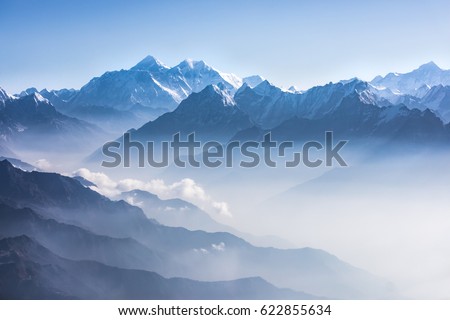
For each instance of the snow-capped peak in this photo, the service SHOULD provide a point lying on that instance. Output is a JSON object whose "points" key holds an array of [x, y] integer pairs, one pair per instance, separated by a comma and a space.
{"points": [[232, 79], [149, 63], [354, 79], [253, 81], [27, 92], [264, 88], [414, 83], [38, 98], [430, 66], [4, 95], [190, 64], [221, 89]]}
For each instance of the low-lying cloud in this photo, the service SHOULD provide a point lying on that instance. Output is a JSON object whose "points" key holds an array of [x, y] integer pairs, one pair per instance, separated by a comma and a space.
{"points": [[43, 164], [186, 189]]}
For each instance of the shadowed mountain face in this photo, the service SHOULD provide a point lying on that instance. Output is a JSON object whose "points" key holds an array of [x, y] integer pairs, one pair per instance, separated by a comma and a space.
{"points": [[31, 122], [30, 271], [75, 243], [192, 254], [351, 110], [211, 114], [438, 99], [354, 119]]}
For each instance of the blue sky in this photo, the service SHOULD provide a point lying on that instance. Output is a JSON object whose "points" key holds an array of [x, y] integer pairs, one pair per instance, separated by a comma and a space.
{"points": [[56, 44]]}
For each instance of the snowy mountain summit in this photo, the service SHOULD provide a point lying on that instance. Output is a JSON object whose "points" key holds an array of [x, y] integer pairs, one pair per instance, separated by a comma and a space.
{"points": [[152, 84], [414, 82]]}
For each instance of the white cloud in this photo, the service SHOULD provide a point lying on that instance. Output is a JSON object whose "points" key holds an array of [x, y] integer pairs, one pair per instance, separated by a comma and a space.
{"points": [[105, 185], [218, 247], [201, 250], [222, 208], [133, 202], [186, 189], [43, 164]]}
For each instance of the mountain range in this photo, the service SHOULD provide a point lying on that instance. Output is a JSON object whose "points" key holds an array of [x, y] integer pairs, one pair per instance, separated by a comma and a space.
{"points": [[424, 87], [60, 239], [416, 82], [152, 84], [351, 110], [75, 223], [120, 100], [127, 98]]}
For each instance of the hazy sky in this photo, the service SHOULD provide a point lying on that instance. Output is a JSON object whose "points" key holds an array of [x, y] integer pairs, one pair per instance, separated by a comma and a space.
{"points": [[57, 44]]}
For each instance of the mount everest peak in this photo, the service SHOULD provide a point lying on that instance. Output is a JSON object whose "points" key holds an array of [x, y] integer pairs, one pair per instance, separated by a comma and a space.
{"points": [[151, 84]]}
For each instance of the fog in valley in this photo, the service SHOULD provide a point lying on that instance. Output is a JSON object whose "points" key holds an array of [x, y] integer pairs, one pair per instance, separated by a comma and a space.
{"points": [[387, 212]]}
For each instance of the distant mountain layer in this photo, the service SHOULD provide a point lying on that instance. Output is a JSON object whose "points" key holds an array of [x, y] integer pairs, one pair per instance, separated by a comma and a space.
{"points": [[352, 109], [32, 122], [173, 212], [180, 213], [57, 98], [76, 223], [416, 82], [425, 87]]}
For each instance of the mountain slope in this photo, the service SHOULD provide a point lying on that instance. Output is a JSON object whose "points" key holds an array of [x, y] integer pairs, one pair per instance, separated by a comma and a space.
{"points": [[173, 212], [353, 117], [265, 104], [252, 81], [351, 109], [438, 99], [59, 98], [3, 97], [413, 82], [32, 122], [30, 271], [180, 213], [211, 114], [19, 164], [75, 243]]}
